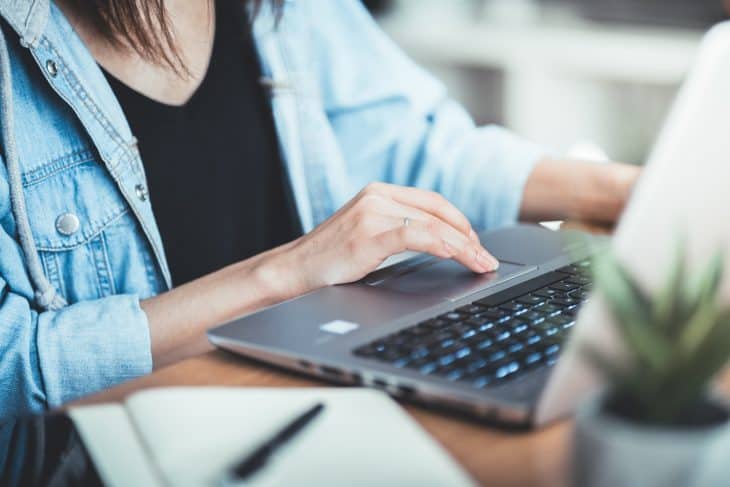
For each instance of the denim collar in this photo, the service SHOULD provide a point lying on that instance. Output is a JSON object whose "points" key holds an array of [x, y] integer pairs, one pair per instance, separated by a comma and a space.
{"points": [[27, 17], [77, 78]]}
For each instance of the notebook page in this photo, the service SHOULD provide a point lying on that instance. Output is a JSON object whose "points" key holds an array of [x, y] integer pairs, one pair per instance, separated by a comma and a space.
{"points": [[111, 441], [361, 438]]}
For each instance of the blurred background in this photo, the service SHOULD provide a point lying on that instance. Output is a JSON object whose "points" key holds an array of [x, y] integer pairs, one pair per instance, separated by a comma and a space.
{"points": [[583, 77]]}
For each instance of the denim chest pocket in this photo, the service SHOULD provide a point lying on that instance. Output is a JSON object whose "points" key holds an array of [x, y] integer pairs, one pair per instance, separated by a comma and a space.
{"points": [[70, 203]]}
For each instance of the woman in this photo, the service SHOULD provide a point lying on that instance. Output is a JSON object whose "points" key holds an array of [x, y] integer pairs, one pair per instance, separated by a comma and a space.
{"points": [[117, 251]]}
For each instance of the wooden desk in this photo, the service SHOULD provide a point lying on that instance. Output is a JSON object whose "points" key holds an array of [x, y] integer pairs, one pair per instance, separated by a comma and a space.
{"points": [[493, 457]]}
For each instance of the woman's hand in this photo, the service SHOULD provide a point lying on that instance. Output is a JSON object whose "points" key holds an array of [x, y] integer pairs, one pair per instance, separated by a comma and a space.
{"points": [[382, 220], [578, 191]]}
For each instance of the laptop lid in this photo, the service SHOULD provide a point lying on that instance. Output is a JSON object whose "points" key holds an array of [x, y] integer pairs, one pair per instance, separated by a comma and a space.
{"points": [[682, 193]]}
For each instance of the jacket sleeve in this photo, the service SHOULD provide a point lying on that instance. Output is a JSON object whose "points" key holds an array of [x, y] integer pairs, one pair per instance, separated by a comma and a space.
{"points": [[50, 357], [396, 123]]}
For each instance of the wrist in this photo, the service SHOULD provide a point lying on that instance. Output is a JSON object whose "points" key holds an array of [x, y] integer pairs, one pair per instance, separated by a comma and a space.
{"points": [[278, 275], [604, 191]]}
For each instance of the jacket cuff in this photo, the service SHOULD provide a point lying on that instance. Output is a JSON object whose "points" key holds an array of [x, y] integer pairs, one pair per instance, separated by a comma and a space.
{"points": [[90, 346], [508, 177]]}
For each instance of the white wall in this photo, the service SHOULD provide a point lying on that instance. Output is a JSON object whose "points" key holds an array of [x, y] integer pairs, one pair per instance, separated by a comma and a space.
{"points": [[546, 73]]}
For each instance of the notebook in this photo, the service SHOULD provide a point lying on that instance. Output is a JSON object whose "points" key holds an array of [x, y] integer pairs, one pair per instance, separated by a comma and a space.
{"points": [[191, 436]]}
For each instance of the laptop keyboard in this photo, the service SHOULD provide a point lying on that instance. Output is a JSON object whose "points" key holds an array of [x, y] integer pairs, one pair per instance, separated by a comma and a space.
{"points": [[494, 339]]}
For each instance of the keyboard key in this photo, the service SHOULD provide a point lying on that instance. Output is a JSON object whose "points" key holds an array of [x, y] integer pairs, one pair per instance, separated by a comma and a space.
{"points": [[447, 360], [497, 356], [513, 307], [570, 269], [455, 374], [402, 362], [428, 368], [533, 339], [532, 358], [481, 324], [420, 352], [366, 351], [565, 302], [571, 312], [485, 344], [580, 294], [533, 317], [462, 352], [519, 327], [470, 309], [471, 332], [562, 321], [550, 310], [494, 314], [389, 355], [551, 331], [476, 365], [563, 286], [580, 280], [481, 382], [583, 267], [507, 369], [502, 335], [459, 329], [552, 349], [548, 293], [418, 331], [435, 323], [531, 300], [515, 347], [453, 316]]}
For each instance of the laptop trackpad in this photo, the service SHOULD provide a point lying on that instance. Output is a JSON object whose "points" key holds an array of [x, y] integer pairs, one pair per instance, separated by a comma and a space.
{"points": [[448, 279]]}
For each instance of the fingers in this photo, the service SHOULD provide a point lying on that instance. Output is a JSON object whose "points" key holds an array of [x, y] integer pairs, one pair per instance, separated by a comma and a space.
{"points": [[374, 213], [436, 238], [426, 201], [465, 247]]}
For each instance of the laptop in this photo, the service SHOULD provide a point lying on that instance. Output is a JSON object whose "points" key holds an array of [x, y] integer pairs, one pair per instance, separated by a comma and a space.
{"points": [[430, 331]]}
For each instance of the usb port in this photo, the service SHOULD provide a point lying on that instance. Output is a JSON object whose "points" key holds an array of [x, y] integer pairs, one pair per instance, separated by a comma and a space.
{"points": [[331, 371]]}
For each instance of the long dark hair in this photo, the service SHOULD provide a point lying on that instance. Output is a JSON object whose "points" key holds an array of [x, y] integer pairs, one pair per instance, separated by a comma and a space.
{"points": [[143, 26]]}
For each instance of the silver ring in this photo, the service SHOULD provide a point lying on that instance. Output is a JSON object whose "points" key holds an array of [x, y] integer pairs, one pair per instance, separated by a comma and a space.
{"points": [[406, 221]]}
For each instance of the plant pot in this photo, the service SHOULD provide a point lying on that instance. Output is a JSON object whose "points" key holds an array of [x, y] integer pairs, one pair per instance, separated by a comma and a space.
{"points": [[610, 451]]}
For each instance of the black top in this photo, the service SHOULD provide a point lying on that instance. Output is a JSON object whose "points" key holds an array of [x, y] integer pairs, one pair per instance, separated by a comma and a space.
{"points": [[214, 170]]}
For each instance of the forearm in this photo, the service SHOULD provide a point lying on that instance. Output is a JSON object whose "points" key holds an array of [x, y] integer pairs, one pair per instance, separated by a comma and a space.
{"points": [[381, 221], [179, 318], [577, 190]]}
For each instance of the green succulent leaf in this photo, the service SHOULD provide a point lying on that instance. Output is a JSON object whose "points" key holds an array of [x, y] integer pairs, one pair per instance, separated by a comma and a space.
{"points": [[669, 304], [707, 285], [676, 340], [632, 309]]}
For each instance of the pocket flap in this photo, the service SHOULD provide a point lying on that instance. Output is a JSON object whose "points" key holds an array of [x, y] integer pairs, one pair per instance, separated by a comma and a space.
{"points": [[69, 207]]}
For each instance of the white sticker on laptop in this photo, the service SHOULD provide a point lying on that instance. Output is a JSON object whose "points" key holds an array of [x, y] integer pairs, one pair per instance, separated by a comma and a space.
{"points": [[339, 327]]}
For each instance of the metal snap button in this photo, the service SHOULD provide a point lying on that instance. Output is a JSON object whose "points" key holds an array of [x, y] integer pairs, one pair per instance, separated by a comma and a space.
{"points": [[51, 68], [67, 224], [142, 192]]}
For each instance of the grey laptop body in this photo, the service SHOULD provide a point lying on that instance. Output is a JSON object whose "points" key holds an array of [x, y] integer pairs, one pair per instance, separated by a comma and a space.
{"points": [[344, 333]]}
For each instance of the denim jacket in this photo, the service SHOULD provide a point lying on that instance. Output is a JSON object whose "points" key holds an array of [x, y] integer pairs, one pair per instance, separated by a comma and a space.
{"points": [[79, 247]]}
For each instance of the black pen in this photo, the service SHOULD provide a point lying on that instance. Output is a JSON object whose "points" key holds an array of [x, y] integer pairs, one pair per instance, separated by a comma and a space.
{"points": [[253, 462]]}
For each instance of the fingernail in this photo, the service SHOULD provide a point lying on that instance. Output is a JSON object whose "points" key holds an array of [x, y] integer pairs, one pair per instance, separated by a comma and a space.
{"points": [[488, 261], [481, 264]]}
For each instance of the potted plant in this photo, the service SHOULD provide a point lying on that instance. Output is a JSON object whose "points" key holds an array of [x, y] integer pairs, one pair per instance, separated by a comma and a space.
{"points": [[657, 422]]}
